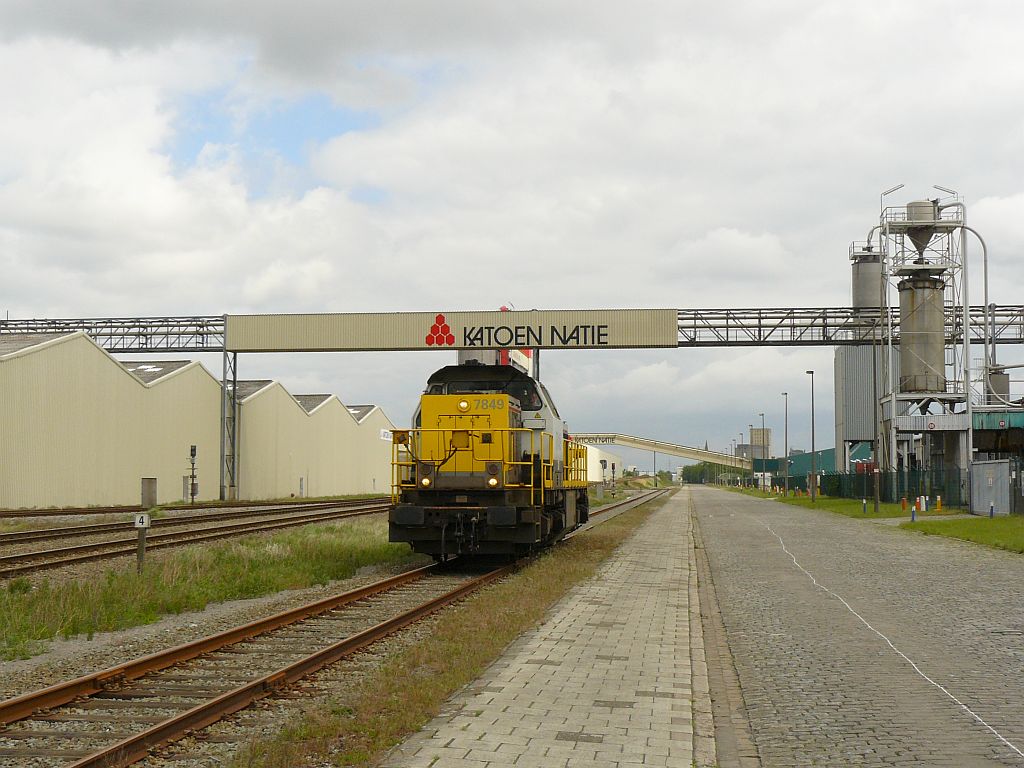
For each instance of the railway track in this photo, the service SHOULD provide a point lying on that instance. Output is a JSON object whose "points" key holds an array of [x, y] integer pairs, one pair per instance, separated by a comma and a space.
{"points": [[91, 529], [117, 716], [21, 563], [131, 509], [122, 714]]}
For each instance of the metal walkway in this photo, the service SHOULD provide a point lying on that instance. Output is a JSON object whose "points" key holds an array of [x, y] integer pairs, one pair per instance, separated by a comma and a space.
{"points": [[671, 449]]}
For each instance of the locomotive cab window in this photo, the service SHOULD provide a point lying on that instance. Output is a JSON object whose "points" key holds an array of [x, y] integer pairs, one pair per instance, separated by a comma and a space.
{"points": [[474, 387], [551, 402], [526, 394], [525, 391]]}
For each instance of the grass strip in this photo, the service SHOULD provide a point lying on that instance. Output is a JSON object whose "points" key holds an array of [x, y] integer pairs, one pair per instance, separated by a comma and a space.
{"points": [[848, 507], [409, 687], [999, 532], [31, 613]]}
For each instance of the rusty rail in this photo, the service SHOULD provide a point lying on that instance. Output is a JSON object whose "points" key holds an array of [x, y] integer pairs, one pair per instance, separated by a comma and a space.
{"points": [[136, 746], [132, 508], [83, 553], [23, 706], [63, 532]]}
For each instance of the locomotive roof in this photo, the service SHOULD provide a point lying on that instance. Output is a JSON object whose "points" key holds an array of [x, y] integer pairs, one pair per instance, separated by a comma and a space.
{"points": [[504, 373]]}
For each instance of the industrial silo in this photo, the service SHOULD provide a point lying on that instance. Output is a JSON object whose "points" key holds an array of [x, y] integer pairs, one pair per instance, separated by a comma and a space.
{"points": [[922, 331], [867, 279]]}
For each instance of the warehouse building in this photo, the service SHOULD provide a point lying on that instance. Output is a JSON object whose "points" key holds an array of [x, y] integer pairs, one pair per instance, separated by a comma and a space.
{"points": [[80, 428], [595, 472], [309, 445]]}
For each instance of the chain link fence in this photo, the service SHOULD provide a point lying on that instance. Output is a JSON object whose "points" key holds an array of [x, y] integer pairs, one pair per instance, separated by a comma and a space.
{"points": [[952, 487]]}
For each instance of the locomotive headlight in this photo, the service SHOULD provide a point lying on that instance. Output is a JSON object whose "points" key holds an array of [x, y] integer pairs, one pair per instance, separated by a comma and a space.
{"points": [[492, 482], [425, 482], [463, 405]]}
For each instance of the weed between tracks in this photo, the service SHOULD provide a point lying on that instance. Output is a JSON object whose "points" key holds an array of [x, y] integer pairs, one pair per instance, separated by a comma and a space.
{"points": [[188, 580], [408, 688]]}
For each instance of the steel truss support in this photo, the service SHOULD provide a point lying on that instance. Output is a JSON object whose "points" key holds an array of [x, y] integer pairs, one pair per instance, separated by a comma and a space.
{"points": [[229, 428], [826, 326], [135, 334]]}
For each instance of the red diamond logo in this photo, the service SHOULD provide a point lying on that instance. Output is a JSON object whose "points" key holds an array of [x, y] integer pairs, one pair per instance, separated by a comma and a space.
{"points": [[440, 334]]}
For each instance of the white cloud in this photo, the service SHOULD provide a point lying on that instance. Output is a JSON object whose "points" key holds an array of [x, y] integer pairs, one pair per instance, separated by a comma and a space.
{"points": [[550, 154]]}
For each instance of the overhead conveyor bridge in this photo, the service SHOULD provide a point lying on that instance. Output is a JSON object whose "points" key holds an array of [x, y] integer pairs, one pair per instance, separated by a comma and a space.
{"points": [[750, 327], [671, 449]]}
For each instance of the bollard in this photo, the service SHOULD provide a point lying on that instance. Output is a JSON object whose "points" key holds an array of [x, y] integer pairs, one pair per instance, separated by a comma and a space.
{"points": [[864, 506], [991, 509], [938, 504], [903, 501]]}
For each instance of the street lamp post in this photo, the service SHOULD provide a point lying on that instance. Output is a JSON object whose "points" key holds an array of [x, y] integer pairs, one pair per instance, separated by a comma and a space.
{"points": [[739, 472], [786, 439], [814, 463], [764, 450], [750, 435]]}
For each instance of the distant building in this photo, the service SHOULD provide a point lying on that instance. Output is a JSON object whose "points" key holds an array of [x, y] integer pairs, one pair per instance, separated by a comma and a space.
{"points": [[761, 442], [748, 451]]}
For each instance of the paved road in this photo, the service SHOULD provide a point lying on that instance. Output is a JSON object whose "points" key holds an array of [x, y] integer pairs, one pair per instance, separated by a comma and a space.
{"points": [[820, 687], [605, 681]]}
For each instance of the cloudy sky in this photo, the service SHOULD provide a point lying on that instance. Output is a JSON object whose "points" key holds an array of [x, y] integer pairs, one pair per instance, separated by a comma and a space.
{"points": [[332, 155]]}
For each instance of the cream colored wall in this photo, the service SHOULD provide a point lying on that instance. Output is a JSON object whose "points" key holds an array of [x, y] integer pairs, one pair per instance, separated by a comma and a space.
{"points": [[594, 456], [279, 443], [333, 469], [269, 434], [80, 430], [181, 410], [374, 453]]}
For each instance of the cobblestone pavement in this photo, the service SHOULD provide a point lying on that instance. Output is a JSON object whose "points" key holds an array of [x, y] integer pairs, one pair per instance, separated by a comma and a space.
{"points": [[604, 681], [820, 687]]}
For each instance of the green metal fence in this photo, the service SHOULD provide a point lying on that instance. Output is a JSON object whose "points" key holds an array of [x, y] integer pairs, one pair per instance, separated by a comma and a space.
{"points": [[952, 487]]}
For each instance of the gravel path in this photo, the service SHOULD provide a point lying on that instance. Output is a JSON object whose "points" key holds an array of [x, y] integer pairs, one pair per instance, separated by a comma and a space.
{"points": [[821, 682]]}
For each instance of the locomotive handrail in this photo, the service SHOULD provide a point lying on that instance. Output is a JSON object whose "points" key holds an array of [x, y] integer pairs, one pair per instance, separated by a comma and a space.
{"points": [[574, 470], [542, 446]]}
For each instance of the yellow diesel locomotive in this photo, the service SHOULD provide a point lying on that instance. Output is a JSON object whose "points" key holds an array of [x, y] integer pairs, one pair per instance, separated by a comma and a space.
{"points": [[488, 467]]}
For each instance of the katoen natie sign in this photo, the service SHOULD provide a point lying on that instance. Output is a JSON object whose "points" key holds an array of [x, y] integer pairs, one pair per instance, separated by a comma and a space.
{"points": [[537, 329]]}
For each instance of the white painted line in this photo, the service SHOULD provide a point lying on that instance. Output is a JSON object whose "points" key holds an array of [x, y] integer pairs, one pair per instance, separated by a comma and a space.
{"points": [[900, 653]]}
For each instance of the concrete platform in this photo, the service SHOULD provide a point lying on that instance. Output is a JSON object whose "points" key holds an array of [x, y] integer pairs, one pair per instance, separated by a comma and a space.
{"points": [[614, 676]]}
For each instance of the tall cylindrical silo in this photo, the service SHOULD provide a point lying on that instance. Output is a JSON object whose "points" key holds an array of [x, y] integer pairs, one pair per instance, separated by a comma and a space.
{"points": [[922, 335], [867, 280]]}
